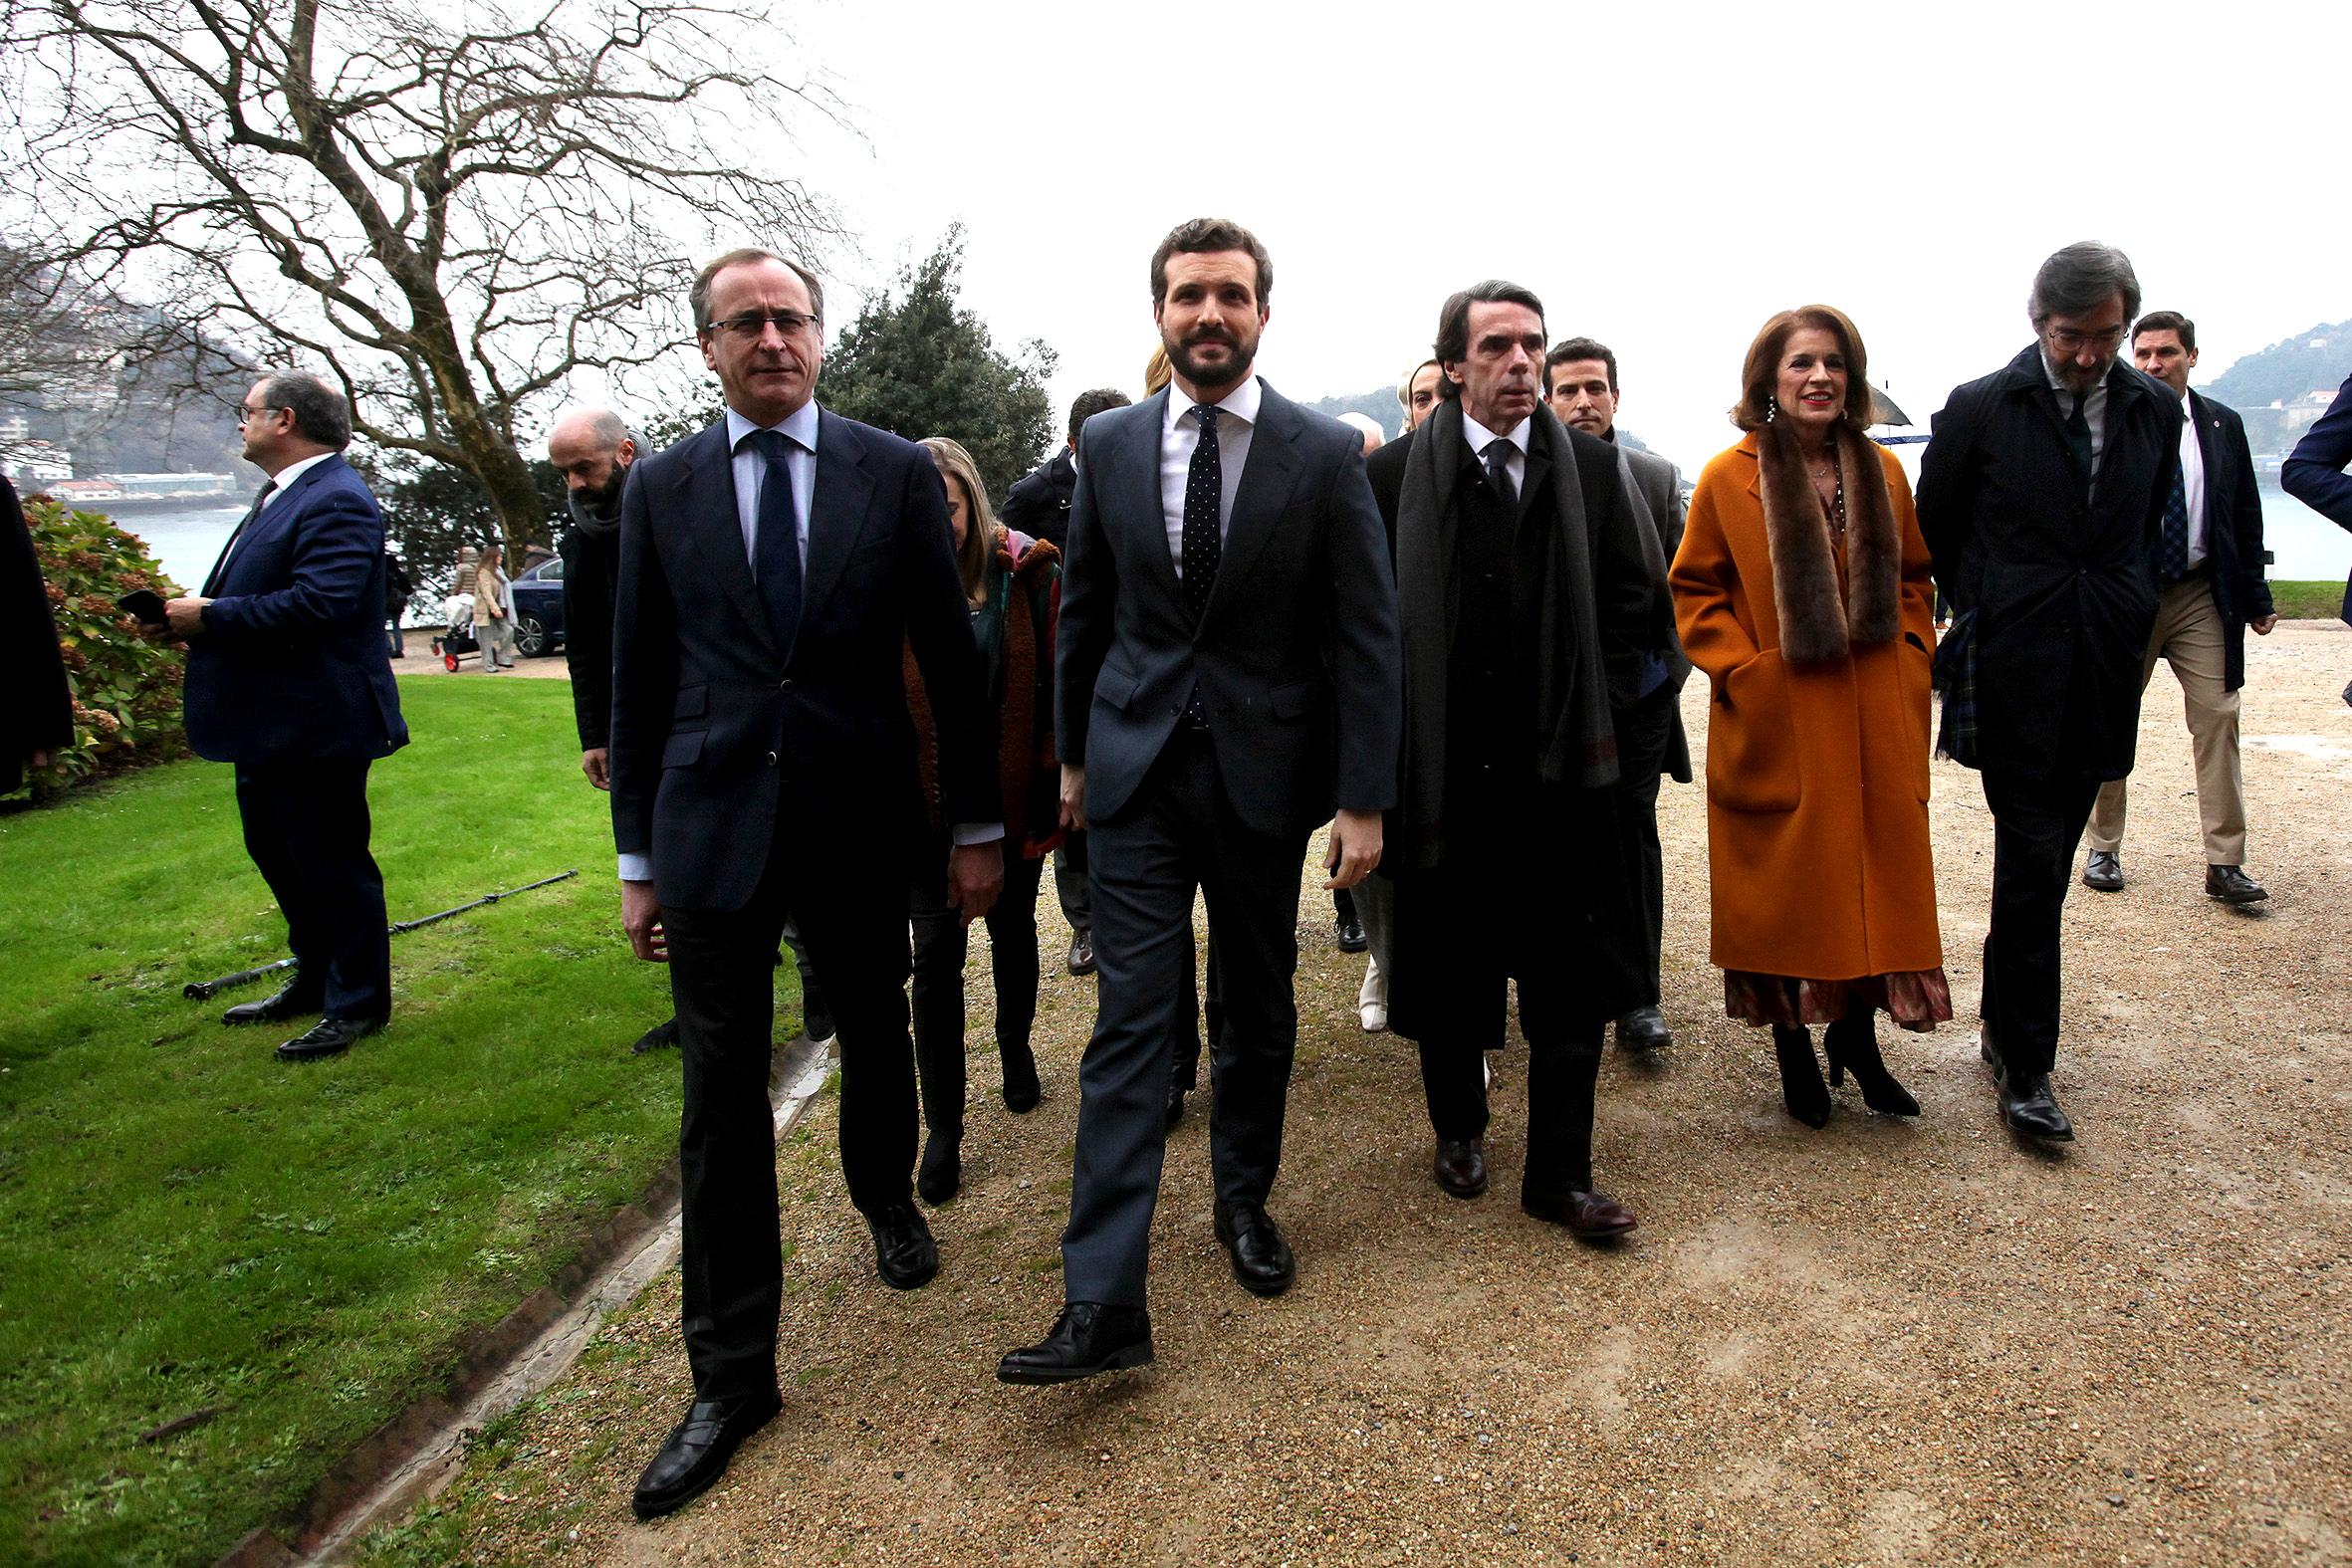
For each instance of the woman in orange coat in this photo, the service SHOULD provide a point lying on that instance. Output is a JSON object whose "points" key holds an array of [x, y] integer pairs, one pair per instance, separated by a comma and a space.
{"points": [[1803, 589]]}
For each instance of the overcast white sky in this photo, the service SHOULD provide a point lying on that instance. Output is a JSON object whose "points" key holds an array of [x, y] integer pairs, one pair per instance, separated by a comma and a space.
{"points": [[1665, 176]]}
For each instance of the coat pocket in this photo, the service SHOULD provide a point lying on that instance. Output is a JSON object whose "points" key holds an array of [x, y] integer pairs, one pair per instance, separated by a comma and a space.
{"points": [[683, 749], [1915, 668], [1752, 762]]}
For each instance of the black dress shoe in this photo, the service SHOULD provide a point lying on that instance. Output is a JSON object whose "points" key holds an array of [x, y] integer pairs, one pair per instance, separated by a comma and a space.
{"points": [[2103, 872], [1644, 1029], [696, 1452], [941, 1175], [2232, 885], [2026, 1103], [1802, 1089], [904, 1255], [1261, 1260], [1081, 951], [1348, 932], [293, 1000], [1461, 1166], [1088, 1337], [328, 1038], [1022, 1089], [1175, 1112], [660, 1037], [1594, 1216]]}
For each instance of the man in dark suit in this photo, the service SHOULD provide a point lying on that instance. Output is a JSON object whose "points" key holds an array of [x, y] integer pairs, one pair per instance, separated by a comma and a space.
{"points": [[2314, 474], [288, 680], [1528, 591], [1580, 385], [37, 704], [1039, 506], [2042, 493], [773, 570], [1227, 674], [2211, 587]]}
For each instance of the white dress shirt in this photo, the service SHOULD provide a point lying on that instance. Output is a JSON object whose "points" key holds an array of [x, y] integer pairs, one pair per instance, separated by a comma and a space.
{"points": [[751, 469], [1514, 461], [1180, 437], [2193, 483]]}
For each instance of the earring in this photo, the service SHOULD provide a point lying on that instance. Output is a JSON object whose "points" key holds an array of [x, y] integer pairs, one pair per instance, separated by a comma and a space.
{"points": [[1771, 409]]}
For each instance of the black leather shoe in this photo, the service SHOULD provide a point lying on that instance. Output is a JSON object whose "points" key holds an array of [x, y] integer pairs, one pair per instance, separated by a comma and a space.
{"points": [[2026, 1103], [1022, 1089], [904, 1255], [1802, 1089], [1644, 1029], [660, 1037], [696, 1452], [941, 1175], [2103, 872], [294, 1001], [1348, 933], [1175, 1105], [1088, 1337], [1594, 1216], [1461, 1166], [1261, 1260], [328, 1038], [1081, 951], [2232, 885]]}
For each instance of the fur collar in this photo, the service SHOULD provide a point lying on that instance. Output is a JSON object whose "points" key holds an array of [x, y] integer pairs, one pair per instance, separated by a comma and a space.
{"points": [[1820, 620]]}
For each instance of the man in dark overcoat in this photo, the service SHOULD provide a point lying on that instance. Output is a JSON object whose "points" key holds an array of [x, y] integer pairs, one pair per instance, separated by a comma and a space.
{"points": [[2041, 494]]}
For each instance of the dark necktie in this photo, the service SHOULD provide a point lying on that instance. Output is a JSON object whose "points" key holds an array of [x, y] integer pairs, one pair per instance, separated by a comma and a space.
{"points": [[2173, 564], [268, 490], [1499, 474], [775, 541], [2078, 437], [1204, 496]]}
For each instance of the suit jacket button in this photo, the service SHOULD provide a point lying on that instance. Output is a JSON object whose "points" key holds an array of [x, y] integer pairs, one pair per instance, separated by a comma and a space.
{"points": [[771, 758], [783, 686]]}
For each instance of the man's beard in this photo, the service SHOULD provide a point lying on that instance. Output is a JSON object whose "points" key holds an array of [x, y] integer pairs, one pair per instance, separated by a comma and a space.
{"points": [[598, 510], [2076, 379], [1237, 365]]}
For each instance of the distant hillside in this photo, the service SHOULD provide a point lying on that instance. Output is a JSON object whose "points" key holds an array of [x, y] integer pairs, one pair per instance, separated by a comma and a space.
{"points": [[2314, 361], [1382, 406]]}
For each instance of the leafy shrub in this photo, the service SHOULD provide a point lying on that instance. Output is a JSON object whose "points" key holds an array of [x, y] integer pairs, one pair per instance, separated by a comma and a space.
{"points": [[126, 704]]}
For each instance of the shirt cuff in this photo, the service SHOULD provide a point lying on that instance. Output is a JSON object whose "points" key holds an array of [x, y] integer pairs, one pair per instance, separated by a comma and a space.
{"points": [[636, 868], [978, 832]]}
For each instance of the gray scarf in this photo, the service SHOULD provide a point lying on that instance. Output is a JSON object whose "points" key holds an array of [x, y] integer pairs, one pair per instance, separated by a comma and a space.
{"points": [[1575, 741], [591, 519]]}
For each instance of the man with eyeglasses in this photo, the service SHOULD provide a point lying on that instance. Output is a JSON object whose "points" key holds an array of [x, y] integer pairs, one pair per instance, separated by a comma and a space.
{"points": [[288, 681], [2042, 493], [774, 569]]}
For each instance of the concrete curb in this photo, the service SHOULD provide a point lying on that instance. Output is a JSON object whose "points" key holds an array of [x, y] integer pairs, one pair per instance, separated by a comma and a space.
{"points": [[411, 1456]]}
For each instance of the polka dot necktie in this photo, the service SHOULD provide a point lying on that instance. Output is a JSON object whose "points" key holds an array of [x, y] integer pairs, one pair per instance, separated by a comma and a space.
{"points": [[1204, 493]]}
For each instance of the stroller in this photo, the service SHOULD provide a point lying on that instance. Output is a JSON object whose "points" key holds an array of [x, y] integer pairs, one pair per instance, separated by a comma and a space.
{"points": [[458, 643]]}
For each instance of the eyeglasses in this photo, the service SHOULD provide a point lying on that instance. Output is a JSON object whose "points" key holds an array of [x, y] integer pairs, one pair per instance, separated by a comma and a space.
{"points": [[2067, 340], [754, 324], [246, 416]]}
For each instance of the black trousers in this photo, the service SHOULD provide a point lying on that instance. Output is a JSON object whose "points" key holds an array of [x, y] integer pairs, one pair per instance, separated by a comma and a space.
{"points": [[2036, 823], [1203, 1009], [1644, 731], [1180, 833], [852, 918], [307, 827], [941, 944]]}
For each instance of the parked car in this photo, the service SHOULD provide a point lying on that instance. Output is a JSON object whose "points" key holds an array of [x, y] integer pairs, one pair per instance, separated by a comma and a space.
{"points": [[539, 609]]}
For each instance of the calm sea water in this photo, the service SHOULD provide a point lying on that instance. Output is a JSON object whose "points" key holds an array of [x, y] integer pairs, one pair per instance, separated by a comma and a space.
{"points": [[2307, 546]]}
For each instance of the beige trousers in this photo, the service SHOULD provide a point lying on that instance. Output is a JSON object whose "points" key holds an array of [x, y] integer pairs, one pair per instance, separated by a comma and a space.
{"points": [[2189, 635]]}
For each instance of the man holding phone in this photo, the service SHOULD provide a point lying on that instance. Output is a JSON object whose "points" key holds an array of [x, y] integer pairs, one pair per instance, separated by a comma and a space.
{"points": [[288, 680]]}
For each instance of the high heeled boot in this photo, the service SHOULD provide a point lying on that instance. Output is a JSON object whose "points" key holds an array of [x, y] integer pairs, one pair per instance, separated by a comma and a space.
{"points": [[1851, 1044], [1802, 1089]]}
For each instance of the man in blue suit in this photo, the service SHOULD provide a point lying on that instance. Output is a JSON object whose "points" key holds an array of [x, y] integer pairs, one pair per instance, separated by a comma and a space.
{"points": [[1228, 673], [288, 680], [2314, 474], [773, 570]]}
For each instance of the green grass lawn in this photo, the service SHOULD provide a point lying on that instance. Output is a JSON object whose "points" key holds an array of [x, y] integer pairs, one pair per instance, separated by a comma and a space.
{"points": [[2307, 601], [188, 1224]]}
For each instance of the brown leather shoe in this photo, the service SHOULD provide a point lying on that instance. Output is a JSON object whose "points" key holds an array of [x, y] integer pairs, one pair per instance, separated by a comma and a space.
{"points": [[1461, 1166], [1592, 1216]]}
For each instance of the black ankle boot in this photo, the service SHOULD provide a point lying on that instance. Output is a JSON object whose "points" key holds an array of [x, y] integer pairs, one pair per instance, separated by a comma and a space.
{"points": [[1851, 1044], [1022, 1089], [941, 1175], [1802, 1089]]}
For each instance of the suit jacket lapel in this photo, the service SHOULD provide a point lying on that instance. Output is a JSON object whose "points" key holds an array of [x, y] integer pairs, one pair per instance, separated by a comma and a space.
{"points": [[1266, 481], [1538, 464], [257, 522], [838, 512], [2202, 416], [706, 499], [1135, 472]]}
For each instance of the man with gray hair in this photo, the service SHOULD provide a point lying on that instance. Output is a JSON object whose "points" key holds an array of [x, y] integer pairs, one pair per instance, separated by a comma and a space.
{"points": [[2042, 495]]}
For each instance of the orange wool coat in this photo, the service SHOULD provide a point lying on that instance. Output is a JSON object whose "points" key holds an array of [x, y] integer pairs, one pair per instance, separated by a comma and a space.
{"points": [[1817, 844]]}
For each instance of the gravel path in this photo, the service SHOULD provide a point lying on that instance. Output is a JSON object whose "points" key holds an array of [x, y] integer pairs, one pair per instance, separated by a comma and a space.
{"points": [[1881, 1343]]}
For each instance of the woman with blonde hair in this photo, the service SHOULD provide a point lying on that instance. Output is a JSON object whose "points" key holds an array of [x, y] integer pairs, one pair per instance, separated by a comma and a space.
{"points": [[1012, 586], [1803, 589]]}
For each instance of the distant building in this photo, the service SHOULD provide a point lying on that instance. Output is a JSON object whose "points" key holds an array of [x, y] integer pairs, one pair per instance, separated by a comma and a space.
{"points": [[2304, 412]]}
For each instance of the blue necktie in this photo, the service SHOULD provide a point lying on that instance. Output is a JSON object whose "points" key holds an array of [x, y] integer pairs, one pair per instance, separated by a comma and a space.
{"points": [[776, 545], [2173, 564], [1204, 496]]}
